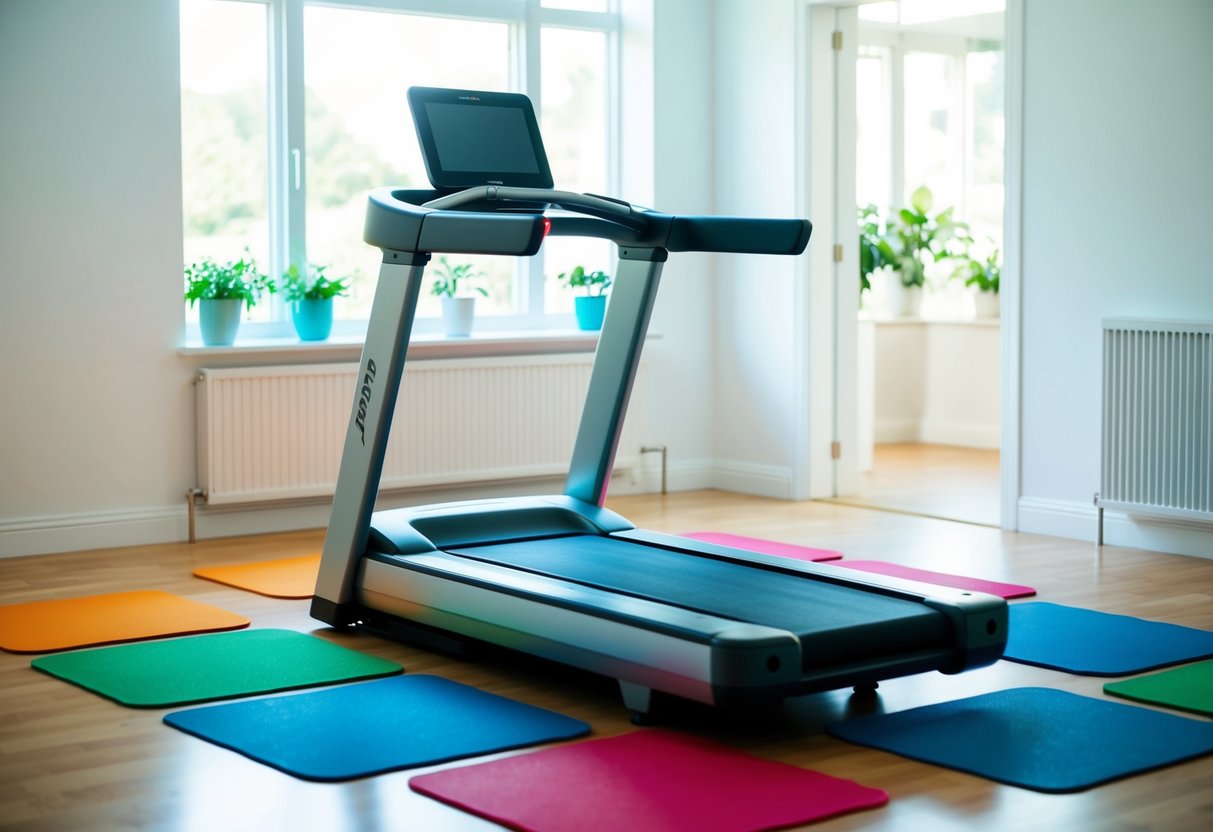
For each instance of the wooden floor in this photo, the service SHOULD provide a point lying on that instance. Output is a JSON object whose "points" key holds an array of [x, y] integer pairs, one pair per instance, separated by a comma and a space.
{"points": [[71, 760], [944, 481]]}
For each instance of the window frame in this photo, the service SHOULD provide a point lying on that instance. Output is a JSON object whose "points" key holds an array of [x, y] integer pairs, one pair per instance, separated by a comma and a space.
{"points": [[286, 146]]}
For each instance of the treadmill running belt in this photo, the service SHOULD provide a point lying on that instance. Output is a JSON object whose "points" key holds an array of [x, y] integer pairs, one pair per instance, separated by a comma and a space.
{"points": [[835, 624]]}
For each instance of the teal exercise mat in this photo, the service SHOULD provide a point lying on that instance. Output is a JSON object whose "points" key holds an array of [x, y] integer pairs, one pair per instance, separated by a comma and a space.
{"points": [[1036, 738], [374, 727], [1092, 643], [182, 671], [1187, 688]]}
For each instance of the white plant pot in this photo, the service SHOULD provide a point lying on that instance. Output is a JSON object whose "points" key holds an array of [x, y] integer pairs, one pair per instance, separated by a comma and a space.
{"points": [[904, 301], [987, 304], [457, 316]]}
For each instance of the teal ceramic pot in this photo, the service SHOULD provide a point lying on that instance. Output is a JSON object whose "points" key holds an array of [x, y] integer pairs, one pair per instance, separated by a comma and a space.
{"points": [[590, 310], [313, 319], [218, 320]]}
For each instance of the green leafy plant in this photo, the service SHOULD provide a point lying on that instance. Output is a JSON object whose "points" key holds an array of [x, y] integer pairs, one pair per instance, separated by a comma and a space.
{"points": [[448, 276], [312, 286], [233, 280], [594, 283], [874, 251], [984, 274], [915, 237]]}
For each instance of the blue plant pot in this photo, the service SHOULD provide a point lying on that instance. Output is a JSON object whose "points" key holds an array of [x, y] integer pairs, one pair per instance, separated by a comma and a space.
{"points": [[590, 310], [218, 320], [313, 319]]}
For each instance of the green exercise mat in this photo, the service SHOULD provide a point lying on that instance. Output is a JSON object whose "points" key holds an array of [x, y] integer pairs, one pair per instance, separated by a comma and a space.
{"points": [[1187, 688], [181, 671]]}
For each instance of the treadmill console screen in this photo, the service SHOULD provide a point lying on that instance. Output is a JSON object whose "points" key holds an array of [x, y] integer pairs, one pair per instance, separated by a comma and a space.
{"points": [[479, 138]]}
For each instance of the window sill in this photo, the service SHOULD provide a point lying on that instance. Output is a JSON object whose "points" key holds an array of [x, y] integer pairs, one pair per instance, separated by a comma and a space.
{"points": [[421, 347]]}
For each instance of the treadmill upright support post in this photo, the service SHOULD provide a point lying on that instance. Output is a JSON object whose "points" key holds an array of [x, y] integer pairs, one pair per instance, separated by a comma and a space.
{"points": [[615, 363], [379, 375]]}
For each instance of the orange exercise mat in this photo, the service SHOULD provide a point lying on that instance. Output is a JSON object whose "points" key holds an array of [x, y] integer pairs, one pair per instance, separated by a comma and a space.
{"points": [[47, 626], [284, 578]]}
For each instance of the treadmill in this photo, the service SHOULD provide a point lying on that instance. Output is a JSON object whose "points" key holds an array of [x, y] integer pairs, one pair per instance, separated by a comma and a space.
{"points": [[561, 576]]}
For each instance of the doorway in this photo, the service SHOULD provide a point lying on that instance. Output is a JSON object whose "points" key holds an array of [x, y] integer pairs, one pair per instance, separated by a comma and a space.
{"points": [[927, 82]]}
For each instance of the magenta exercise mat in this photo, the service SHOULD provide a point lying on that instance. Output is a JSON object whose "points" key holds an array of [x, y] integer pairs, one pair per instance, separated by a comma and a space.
{"points": [[896, 570], [766, 547], [646, 781]]}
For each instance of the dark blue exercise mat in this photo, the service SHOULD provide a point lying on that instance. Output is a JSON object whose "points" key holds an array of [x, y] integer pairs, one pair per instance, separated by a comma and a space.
{"points": [[374, 727], [1091, 643], [1036, 738]]}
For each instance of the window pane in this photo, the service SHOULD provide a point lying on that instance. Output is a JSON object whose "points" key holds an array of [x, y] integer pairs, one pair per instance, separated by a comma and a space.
{"points": [[934, 130], [579, 5], [874, 140], [575, 108], [575, 135], [360, 136], [224, 114], [984, 188]]}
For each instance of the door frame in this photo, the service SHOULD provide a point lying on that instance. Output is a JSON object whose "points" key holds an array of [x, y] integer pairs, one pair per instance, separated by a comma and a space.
{"points": [[828, 316]]}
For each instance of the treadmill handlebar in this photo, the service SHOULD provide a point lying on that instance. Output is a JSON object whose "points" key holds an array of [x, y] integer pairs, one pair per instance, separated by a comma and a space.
{"points": [[510, 221]]}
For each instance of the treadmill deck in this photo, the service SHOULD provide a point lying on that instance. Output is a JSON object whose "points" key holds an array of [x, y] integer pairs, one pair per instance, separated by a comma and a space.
{"points": [[834, 623]]}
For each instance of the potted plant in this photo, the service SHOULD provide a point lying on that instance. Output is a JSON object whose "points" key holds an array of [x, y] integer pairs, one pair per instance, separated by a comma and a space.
{"points": [[875, 253], [916, 238], [221, 289], [985, 275], [452, 281], [591, 306], [311, 298]]}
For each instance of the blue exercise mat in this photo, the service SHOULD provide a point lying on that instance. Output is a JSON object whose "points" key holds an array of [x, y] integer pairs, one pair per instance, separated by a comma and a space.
{"points": [[1036, 738], [1091, 643], [374, 727]]}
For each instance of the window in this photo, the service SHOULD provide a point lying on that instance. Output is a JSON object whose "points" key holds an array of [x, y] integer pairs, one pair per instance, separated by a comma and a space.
{"points": [[288, 179]]}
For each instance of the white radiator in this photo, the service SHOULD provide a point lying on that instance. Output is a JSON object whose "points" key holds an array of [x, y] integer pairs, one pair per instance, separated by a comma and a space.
{"points": [[275, 433], [1157, 455]]}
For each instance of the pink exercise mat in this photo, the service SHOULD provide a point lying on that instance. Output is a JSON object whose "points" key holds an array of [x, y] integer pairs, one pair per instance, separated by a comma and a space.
{"points": [[896, 570], [766, 547], [645, 781]]}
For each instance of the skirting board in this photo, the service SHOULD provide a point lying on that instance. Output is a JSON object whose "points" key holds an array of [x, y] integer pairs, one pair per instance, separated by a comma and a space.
{"points": [[1079, 521], [169, 524], [759, 480], [962, 434], [91, 530]]}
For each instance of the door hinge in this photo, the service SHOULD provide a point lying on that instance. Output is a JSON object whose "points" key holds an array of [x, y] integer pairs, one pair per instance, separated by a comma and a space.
{"points": [[835, 450], [838, 41], [838, 252]]}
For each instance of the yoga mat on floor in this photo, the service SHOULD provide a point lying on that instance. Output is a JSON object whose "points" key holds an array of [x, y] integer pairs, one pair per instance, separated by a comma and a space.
{"points": [[1091, 643], [181, 671], [281, 578], [373, 727], [766, 547], [644, 782], [1188, 688], [896, 570], [47, 626], [1036, 738]]}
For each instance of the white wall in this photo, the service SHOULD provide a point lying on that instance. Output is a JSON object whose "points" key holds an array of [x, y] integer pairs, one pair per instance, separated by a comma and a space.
{"points": [[96, 427], [756, 163], [1117, 200], [937, 382], [675, 388]]}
